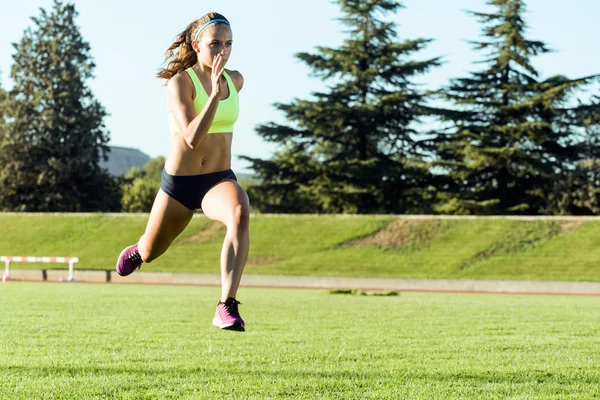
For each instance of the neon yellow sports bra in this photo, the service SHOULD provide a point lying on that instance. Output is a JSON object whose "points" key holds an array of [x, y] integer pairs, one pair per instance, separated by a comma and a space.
{"points": [[227, 111]]}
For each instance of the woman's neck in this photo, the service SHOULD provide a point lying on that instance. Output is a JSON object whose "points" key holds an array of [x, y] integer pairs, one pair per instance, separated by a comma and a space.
{"points": [[203, 70]]}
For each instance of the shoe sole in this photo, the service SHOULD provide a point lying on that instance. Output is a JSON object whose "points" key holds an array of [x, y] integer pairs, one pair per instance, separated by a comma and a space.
{"points": [[235, 327], [120, 274]]}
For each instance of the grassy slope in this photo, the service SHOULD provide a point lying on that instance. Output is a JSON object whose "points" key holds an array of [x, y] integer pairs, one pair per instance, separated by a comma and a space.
{"points": [[322, 245], [80, 341]]}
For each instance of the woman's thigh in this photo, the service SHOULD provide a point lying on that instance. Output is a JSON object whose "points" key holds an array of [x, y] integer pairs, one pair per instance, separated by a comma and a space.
{"points": [[225, 201], [168, 219]]}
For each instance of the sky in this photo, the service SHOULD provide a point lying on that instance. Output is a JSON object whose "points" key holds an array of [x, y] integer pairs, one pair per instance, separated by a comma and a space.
{"points": [[128, 39]]}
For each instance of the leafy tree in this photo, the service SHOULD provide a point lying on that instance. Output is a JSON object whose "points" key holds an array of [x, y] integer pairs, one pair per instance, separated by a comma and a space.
{"points": [[140, 186]]}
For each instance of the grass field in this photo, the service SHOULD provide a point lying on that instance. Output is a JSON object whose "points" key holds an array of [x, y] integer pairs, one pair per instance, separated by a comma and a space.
{"points": [[354, 246], [83, 341]]}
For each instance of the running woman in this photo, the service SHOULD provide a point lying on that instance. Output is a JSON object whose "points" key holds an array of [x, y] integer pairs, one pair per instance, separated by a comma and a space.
{"points": [[202, 105]]}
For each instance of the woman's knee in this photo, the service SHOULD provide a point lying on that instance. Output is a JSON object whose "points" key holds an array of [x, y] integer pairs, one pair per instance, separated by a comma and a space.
{"points": [[240, 217]]}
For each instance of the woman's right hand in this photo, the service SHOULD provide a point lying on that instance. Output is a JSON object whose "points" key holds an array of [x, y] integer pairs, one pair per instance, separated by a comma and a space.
{"points": [[217, 71]]}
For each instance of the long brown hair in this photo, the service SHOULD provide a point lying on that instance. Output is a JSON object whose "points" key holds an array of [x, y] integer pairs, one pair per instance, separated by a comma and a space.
{"points": [[181, 55]]}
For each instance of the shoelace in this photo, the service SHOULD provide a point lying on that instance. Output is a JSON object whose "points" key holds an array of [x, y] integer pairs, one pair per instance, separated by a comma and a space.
{"points": [[135, 258], [231, 307]]}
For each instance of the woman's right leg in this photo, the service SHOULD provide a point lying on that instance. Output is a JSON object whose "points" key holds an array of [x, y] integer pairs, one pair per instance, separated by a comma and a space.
{"points": [[168, 219]]}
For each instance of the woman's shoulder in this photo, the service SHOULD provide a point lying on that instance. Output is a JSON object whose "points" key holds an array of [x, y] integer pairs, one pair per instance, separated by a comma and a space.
{"points": [[237, 78], [180, 83], [181, 79]]}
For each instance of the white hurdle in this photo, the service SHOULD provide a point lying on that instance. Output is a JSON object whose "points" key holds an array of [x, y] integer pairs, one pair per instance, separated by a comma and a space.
{"points": [[69, 260]]}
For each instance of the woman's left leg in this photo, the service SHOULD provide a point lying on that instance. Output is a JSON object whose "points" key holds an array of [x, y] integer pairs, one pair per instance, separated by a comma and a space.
{"points": [[228, 203]]}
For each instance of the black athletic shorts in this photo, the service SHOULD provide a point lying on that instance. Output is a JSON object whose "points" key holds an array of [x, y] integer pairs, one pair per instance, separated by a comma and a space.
{"points": [[189, 190]]}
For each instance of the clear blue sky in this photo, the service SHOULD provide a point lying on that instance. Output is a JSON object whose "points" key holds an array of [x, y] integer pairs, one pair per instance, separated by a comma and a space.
{"points": [[128, 40]]}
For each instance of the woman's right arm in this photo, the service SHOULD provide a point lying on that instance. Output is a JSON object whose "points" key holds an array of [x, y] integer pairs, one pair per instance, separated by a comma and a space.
{"points": [[194, 127]]}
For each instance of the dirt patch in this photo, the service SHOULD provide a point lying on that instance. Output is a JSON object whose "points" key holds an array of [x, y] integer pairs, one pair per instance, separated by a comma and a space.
{"points": [[570, 226], [213, 229], [402, 233]]}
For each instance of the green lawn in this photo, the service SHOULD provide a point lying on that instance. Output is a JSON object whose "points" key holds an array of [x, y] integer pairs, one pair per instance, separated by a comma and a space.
{"points": [[84, 341], [327, 245]]}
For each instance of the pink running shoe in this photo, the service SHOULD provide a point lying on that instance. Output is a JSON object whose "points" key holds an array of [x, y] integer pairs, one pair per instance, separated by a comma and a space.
{"points": [[129, 260], [228, 317]]}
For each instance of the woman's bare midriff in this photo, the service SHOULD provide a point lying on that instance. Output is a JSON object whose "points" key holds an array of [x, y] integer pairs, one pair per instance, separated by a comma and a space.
{"points": [[213, 154]]}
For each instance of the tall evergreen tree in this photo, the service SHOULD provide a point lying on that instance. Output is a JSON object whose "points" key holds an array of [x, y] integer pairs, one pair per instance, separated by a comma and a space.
{"points": [[3, 97], [55, 136], [580, 192], [512, 136], [354, 148]]}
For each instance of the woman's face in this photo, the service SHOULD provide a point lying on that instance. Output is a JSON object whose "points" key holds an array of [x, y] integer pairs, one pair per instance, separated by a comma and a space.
{"points": [[214, 39]]}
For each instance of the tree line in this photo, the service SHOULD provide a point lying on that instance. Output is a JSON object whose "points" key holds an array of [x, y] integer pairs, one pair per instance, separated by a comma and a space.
{"points": [[505, 141]]}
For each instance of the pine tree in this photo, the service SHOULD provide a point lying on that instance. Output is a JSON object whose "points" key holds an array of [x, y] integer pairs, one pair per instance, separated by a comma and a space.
{"points": [[579, 193], [512, 136], [55, 136], [354, 148], [3, 97]]}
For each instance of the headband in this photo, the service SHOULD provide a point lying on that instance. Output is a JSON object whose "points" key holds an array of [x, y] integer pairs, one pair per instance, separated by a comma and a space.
{"points": [[212, 21]]}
